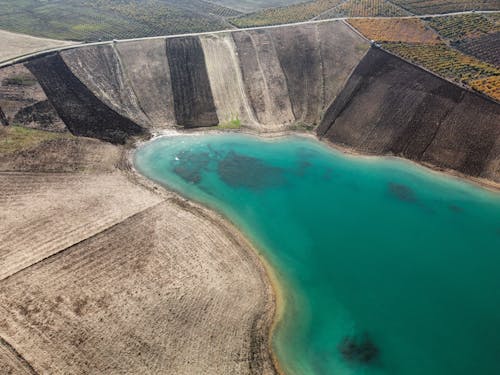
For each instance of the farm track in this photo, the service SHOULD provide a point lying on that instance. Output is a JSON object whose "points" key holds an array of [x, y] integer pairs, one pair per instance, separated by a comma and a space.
{"points": [[44, 52]]}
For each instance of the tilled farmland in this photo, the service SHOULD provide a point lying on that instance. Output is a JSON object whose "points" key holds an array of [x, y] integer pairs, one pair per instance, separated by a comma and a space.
{"points": [[102, 273]]}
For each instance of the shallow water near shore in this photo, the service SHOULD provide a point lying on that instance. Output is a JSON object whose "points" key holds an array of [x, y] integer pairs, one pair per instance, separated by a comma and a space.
{"points": [[388, 268]]}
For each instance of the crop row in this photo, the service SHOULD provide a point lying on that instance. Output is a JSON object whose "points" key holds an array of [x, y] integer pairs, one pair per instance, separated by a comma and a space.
{"points": [[490, 86], [365, 8], [463, 26], [448, 62], [107, 19], [448, 6], [288, 14], [486, 48]]}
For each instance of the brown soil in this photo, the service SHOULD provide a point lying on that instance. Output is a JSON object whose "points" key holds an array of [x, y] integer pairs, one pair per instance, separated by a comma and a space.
{"points": [[105, 273], [13, 45]]}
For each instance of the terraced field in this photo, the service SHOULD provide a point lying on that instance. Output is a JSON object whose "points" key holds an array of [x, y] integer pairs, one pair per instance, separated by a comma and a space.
{"points": [[396, 30]]}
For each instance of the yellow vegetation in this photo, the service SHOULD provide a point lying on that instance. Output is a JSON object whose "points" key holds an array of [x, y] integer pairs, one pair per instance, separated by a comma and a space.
{"points": [[396, 30], [490, 86], [451, 64]]}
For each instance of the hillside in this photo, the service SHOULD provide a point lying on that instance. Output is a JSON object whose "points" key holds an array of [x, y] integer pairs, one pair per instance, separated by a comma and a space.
{"points": [[85, 20], [266, 79], [97, 272]]}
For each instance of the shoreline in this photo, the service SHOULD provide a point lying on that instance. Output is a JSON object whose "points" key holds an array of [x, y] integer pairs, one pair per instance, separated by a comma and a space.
{"points": [[277, 295], [349, 151]]}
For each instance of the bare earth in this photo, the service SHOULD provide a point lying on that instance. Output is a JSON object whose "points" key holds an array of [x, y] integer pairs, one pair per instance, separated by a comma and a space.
{"points": [[13, 45], [102, 272]]}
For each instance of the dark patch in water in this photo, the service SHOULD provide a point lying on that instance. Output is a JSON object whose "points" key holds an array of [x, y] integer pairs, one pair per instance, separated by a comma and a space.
{"points": [[303, 166], [358, 349], [402, 192], [455, 208], [238, 170], [189, 165]]}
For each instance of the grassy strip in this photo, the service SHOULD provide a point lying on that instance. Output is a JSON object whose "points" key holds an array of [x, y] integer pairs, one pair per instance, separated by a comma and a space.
{"points": [[16, 138]]}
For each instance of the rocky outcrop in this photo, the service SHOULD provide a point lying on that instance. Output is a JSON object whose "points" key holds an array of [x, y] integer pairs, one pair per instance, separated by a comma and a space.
{"points": [[193, 100], [389, 106], [82, 112]]}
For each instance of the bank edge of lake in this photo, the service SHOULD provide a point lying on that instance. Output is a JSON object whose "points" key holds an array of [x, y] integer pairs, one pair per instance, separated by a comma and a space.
{"points": [[277, 286]]}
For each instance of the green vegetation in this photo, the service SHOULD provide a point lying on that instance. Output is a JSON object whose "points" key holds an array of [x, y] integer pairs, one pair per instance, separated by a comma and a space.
{"points": [[320, 9], [293, 13], [234, 123], [365, 8], [20, 80], [16, 138], [89, 20], [247, 6], [449, 63], [463, 26]]}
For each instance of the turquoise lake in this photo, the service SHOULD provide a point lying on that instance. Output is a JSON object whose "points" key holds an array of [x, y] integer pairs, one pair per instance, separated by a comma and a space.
{"points": [[387, 268]]}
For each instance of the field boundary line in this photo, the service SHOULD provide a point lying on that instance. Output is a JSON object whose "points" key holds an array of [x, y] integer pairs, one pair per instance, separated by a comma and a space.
{"points": [[27, 57], [81, 241], [27, 366]]}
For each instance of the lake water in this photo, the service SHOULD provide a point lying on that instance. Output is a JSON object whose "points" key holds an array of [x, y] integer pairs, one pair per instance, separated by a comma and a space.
{"points": [[387, 268]]}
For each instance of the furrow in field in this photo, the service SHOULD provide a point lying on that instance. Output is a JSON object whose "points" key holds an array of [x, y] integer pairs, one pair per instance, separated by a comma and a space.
{"points": [[65, 209], [145, 64], [143, 296], [100, 69]]}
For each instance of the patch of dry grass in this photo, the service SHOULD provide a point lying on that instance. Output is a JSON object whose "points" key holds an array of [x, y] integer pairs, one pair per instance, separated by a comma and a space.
{"points": [[16, 138]]}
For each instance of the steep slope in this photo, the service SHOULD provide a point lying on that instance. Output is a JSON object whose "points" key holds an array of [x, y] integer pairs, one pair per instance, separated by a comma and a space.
{"points": [[99, 68], [316, 61], [226, 80], [193, 100], [392, 107], [264, 79], [146, 66], [82, 112]]}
